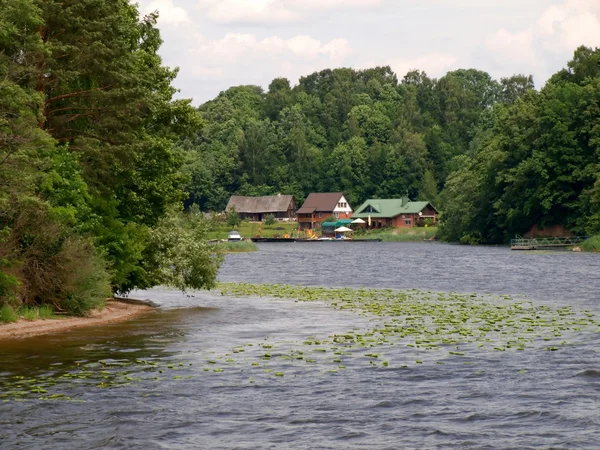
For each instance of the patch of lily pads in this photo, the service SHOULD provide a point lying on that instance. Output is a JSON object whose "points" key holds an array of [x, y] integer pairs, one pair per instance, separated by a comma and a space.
{"points": [[430, 327]]}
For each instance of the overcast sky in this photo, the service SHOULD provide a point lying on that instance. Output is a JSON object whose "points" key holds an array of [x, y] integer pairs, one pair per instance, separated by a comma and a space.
{"points": [[223, 43]]}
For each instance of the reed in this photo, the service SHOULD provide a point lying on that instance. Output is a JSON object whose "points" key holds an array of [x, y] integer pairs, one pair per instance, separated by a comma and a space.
{"points": [[400, 234], [592, 244], [236, 247]]}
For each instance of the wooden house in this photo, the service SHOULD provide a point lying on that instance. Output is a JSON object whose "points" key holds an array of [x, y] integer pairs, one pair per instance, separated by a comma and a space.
{"points": [[319, 206], [398, 213], [254, 209]]}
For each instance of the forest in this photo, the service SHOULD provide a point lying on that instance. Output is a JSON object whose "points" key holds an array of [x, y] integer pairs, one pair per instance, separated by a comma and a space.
{"points": [[495, 156], [104, 169], [91, 186]]}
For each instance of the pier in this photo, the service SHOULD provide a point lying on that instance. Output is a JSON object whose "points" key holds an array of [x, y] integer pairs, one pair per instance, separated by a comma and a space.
{"points": [[546, 243]]}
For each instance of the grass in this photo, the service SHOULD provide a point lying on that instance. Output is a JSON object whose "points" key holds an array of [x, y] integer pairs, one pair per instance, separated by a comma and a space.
{"points": [[592, 244], [8, 314], [399, 234], [236, 246], [251, 229]]}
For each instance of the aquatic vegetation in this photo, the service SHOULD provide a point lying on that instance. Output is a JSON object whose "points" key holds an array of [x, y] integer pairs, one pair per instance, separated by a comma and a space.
{"points": [[430, 327], [236, 247], [592, 244]]}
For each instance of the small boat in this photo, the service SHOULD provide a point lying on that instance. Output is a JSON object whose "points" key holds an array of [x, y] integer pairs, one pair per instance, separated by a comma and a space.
{"points": [[234, 236]]}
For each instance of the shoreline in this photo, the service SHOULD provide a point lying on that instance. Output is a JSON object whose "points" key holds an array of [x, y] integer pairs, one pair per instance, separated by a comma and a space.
{"points": [[113, 312]]}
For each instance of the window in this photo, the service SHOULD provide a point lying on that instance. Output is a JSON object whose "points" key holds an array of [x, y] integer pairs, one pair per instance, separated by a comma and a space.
{"points": [[407, 222], [370, 209], [336, 215], [320, 215]]}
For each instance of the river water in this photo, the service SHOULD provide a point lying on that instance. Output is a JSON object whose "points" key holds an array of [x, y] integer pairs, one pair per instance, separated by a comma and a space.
{"points": [[189, 375]]}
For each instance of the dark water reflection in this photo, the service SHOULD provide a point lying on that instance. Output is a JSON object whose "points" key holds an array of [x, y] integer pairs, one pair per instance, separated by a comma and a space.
{"points": [[530, 399]]}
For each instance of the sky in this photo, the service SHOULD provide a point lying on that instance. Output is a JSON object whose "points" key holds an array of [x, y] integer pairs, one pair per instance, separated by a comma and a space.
{"points": [[222, 43]]}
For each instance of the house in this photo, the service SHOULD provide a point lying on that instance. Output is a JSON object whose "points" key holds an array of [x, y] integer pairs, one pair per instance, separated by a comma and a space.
{"points": [[254, 209], [398, 213], [319, 206]]}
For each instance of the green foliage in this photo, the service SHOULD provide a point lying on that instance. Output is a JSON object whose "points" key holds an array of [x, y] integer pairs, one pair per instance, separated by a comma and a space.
{"points": [[270, 220], [398, 234], [88, 165], [233, 219], [8, 314], [534, 162], [235, 247], [592, 244], [178, 253]]}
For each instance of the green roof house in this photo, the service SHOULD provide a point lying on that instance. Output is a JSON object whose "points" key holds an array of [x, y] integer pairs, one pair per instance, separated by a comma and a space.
{"points": [[396, 212]]}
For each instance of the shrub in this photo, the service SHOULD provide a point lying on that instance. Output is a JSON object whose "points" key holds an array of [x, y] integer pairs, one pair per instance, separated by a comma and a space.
{"points": [[269, 219], [592, 244], [233, 219], [29, 313], [8, 314], [45, 312], [86, 282]]}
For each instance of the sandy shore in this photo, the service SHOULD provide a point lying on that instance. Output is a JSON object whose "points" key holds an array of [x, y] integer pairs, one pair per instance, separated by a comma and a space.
{"points": [[114, 311]]}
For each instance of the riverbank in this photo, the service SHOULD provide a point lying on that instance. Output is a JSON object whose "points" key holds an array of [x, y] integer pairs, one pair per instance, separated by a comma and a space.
{"points": [[592, 244], [236, 246], [399, 234], [114, 311]]}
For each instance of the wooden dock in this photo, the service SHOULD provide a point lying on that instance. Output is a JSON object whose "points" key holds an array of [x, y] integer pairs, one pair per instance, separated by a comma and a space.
{"points": [[282, 240], [546, 243]]}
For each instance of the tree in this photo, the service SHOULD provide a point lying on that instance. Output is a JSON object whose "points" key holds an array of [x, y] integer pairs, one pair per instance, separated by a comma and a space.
{"points": [[233, 218]]}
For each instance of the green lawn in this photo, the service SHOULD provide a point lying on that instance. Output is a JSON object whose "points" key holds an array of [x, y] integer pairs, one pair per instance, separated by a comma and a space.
{"points": [[399, 234]]}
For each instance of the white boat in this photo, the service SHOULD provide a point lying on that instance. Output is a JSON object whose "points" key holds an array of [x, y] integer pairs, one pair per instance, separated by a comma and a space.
{"points": [[234, 236]]}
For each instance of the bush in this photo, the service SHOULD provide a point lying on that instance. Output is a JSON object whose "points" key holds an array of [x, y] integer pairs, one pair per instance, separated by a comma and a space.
{"points": [[86, 282], [8, 314], [592, 244], [178, 254], [269, 219], [233, 219], [471, 239]]}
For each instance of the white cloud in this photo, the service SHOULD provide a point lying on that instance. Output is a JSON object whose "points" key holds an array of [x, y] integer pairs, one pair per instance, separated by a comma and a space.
{"points": [[234, 46], [434, 64], [273, 11], [233, 11], [555, 35], [168, 12], [262, 60]]}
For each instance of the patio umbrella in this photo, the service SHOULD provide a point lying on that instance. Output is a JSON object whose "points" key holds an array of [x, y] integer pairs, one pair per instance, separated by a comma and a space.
{"points": [[342, 229], [360, 221]]}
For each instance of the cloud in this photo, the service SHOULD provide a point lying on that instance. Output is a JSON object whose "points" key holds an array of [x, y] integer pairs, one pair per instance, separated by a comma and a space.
{"points": [[242, 57], [555, 35], [168, 12], [273, 11], [235, 46], [434, 64]]}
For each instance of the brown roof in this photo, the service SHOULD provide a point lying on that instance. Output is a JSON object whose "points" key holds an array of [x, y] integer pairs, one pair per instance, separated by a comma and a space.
{"points": [[257, 205], [320, 202]]}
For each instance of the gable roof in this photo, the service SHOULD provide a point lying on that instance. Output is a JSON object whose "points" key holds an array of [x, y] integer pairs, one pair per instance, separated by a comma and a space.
{"points": [[257, 205], [320, 202], [388, 208]]}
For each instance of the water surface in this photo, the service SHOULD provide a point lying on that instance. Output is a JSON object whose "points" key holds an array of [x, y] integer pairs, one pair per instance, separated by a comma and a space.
{"points": [[119, 398]]}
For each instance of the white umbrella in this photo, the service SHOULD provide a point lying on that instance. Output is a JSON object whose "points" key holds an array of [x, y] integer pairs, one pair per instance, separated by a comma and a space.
{"points": [[358, 221], [342, 229]]}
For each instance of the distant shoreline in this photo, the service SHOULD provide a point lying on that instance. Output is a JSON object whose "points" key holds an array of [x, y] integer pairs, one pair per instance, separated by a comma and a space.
{"points": [[115, 311]]}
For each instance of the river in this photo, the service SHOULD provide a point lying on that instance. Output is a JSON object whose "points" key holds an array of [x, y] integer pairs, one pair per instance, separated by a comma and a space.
{"points": [[190, 374]]}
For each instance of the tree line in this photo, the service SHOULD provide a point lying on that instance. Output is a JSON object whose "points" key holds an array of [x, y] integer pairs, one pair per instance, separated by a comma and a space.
{"points": [[90, 175], [496, 156]]}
